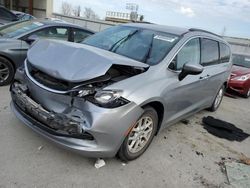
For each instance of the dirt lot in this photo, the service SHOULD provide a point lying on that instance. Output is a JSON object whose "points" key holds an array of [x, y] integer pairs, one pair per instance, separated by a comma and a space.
{"points": [[172, 160]]}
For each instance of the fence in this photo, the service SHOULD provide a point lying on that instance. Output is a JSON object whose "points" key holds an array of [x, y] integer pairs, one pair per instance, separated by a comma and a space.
{"points": [[95, 25]]}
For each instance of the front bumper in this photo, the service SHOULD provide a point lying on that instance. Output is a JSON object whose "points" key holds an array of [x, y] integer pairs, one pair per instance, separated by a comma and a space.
{"points": [[240, 87], [101, 136]]}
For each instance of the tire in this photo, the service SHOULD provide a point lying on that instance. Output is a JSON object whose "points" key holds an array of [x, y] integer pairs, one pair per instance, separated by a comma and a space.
{"points": [[247, 95], [218, 99], [143, 139], [7, 71]]}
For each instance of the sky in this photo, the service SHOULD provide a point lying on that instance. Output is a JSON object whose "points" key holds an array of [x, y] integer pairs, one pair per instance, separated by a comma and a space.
{"points": [[231, 17]]}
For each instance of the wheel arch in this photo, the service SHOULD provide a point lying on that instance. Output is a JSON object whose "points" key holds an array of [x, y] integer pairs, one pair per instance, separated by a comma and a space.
{"points": [[159, 108]]}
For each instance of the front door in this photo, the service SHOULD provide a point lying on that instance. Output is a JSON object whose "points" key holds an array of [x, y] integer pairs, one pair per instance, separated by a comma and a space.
{"points": [[184, 97]]}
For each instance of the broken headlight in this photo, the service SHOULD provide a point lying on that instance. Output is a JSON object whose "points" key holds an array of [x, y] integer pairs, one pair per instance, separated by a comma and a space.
{"points": [[109, 98]]}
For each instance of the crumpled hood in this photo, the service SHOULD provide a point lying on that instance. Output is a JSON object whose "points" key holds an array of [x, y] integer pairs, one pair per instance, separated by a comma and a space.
{"points": [[74, 62]]}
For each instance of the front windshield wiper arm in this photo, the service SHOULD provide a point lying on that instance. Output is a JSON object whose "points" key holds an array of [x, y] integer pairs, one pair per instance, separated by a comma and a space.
{"points": [[147, 55], [114, 47]]}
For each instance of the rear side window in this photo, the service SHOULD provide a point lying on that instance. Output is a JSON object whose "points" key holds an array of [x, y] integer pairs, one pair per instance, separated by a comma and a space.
{"points": [[224, 53], [209, 52]]}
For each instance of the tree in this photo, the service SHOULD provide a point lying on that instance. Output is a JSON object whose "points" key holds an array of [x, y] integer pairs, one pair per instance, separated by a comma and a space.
{"points": [[77, 11], [66, 9], [141, 18], [90, 14]]}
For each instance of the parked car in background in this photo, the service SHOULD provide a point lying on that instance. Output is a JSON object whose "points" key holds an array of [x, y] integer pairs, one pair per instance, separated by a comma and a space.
{"points": [[240, 76], [6, 16], [113, 93], [22, 16], [15, 40]]}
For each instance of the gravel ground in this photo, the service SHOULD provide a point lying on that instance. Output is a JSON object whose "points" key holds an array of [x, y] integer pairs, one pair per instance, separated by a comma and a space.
{"points": [[181, 155]]}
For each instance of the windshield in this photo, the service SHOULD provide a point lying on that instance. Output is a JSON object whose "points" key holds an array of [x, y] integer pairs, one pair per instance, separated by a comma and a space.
{"points": [[143, 45], [14, 30], [241, 60]]}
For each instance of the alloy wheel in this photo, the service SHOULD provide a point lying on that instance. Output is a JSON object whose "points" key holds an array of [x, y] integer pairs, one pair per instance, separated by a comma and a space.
{"points": [[4, 72], [218, 98], [140, 134], [248, 93]]}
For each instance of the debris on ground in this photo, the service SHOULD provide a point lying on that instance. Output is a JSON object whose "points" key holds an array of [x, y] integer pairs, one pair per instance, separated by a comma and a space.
{"points": [[99, 163], [205, 182], [185, 121], [124, 164], [245, 160], [223, 129], [238, 174], [199, 153], [40, 148]]}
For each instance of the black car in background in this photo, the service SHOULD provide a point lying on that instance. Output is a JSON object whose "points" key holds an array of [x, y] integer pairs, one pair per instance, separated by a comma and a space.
{"points": [[7, 16], [15, 40], [22, 15]]}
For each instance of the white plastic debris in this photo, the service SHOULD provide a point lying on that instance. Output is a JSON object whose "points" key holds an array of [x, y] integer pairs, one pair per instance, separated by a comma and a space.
{"points": [[123, 164], [99, 163], [40, 148]]}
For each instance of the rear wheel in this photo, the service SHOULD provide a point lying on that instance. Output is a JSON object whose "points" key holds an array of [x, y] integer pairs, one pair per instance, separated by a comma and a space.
{"points": [[247, 95], [218, 99], [6, 71], [140, 136]]}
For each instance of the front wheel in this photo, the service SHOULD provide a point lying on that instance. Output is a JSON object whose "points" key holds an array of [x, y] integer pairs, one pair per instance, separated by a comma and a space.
{"points": [[247, 95], [140, 136], [7, 71], [218, 99]]}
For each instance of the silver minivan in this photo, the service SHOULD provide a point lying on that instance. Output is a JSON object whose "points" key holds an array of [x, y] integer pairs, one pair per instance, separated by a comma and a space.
{"points": [[114, 92]]}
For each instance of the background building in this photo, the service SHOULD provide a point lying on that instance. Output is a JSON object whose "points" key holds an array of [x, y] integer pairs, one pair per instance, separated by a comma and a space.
{"points": [[38, 8]]}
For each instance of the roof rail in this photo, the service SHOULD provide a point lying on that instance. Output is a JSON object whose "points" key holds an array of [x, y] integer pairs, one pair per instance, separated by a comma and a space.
{"points": [[195, 29]]}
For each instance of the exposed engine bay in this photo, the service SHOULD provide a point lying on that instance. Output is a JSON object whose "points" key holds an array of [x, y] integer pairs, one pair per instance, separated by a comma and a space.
{"points": [[86, 89]]}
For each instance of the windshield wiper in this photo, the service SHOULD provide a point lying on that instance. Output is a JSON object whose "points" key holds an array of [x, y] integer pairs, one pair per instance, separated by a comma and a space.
{"points": [[114, 47], [147, 55]]}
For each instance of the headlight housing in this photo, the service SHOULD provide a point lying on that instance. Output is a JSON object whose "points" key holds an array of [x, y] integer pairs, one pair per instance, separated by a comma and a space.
{"points": [[242, 78], [109, 98]]}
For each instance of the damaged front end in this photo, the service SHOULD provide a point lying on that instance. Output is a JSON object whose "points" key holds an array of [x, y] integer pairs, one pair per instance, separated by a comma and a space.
{"points": [[73, 111], [60, 124], [91, 90]]}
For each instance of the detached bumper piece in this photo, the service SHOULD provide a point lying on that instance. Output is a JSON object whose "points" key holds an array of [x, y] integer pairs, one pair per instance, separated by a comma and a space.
{"points": [[55, 123]]}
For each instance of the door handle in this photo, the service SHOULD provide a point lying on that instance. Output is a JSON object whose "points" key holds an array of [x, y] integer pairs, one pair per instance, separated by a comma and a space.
{"points": [[204, 77]]}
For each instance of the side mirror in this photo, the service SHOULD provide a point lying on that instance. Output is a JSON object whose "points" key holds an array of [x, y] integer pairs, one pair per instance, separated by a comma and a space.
{"points": [[190, 69], [31, 39]]}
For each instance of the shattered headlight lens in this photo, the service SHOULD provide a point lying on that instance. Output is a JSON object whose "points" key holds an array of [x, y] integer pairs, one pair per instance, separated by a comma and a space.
{"points": [[110, 98]]}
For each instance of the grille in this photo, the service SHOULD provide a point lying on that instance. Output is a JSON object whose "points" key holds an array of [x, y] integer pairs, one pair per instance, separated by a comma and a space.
{"points": [[48, 80]]}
